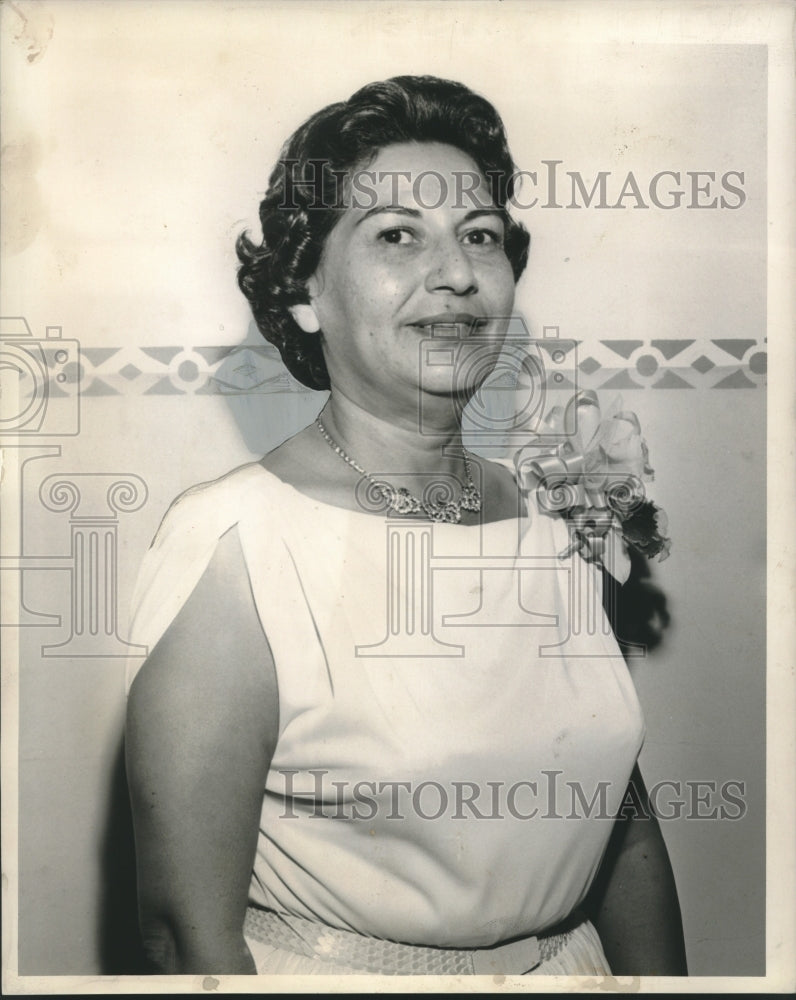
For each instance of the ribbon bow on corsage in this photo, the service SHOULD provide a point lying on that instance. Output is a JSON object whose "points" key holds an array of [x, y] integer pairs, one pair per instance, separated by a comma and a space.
{"points": [[595, 478]]}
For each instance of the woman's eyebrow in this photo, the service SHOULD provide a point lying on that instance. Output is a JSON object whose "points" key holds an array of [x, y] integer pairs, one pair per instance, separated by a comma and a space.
{"points": [[478, 212], [397, 209], [416, 213]]}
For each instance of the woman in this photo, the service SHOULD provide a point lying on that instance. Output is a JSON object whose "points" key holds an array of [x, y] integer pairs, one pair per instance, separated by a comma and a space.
{"points": [[332, 771]]}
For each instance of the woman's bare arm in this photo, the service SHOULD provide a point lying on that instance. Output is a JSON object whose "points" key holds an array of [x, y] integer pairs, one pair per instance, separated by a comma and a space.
{"points": [[202, 721], [633, 902]]}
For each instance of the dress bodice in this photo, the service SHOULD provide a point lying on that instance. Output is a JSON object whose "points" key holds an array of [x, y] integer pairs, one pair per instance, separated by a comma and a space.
{"points": [[457, 725]]}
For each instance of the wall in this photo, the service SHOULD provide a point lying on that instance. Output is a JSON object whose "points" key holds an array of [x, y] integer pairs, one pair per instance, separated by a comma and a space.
{"points": [[134, 190]]}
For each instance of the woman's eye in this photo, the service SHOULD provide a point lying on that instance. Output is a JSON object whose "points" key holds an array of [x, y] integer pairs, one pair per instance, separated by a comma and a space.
{"points": [[397, 236], [483, 237]]}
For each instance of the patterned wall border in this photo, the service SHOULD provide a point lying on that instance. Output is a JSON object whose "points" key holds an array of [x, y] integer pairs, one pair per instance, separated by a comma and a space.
{"points": [[54, 366], [249, 368]]}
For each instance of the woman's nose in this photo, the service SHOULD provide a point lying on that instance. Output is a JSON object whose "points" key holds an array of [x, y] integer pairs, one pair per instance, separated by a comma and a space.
{"points": [[451, 270]]}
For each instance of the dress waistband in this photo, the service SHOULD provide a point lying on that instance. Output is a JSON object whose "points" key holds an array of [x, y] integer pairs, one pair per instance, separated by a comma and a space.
{"points": [[390, 958]]}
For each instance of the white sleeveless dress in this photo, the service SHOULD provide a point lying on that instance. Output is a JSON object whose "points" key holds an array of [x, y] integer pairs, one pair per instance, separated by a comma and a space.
{"points": [[457, 725]]}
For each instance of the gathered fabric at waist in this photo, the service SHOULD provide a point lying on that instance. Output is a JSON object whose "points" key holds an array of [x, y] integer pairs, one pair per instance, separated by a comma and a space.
{"points": [[325, 944]]}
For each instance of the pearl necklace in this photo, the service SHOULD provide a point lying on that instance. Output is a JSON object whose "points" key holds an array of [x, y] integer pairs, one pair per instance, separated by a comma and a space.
{"points": [[401, 501]]}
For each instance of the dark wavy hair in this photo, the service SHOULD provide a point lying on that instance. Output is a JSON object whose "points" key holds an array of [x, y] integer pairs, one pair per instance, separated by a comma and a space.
{"points": [[303, 200]]}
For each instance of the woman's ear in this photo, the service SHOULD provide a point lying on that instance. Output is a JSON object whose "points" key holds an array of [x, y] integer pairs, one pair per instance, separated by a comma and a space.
{"points": [[305, 316]]}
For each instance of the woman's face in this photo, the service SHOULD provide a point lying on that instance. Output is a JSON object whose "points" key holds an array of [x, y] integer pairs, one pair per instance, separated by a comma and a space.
{"points": [[417, 253]]}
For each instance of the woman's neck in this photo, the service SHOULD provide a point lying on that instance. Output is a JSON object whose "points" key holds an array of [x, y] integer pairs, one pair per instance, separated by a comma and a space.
{"points": [[376, 442]]}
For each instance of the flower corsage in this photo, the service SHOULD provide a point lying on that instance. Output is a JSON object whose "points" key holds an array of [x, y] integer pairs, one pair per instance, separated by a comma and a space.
{"points": [[591, 469]]}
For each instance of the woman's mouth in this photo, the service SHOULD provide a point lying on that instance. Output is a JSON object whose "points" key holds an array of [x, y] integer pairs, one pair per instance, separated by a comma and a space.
{"points": [[458, 326]]}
